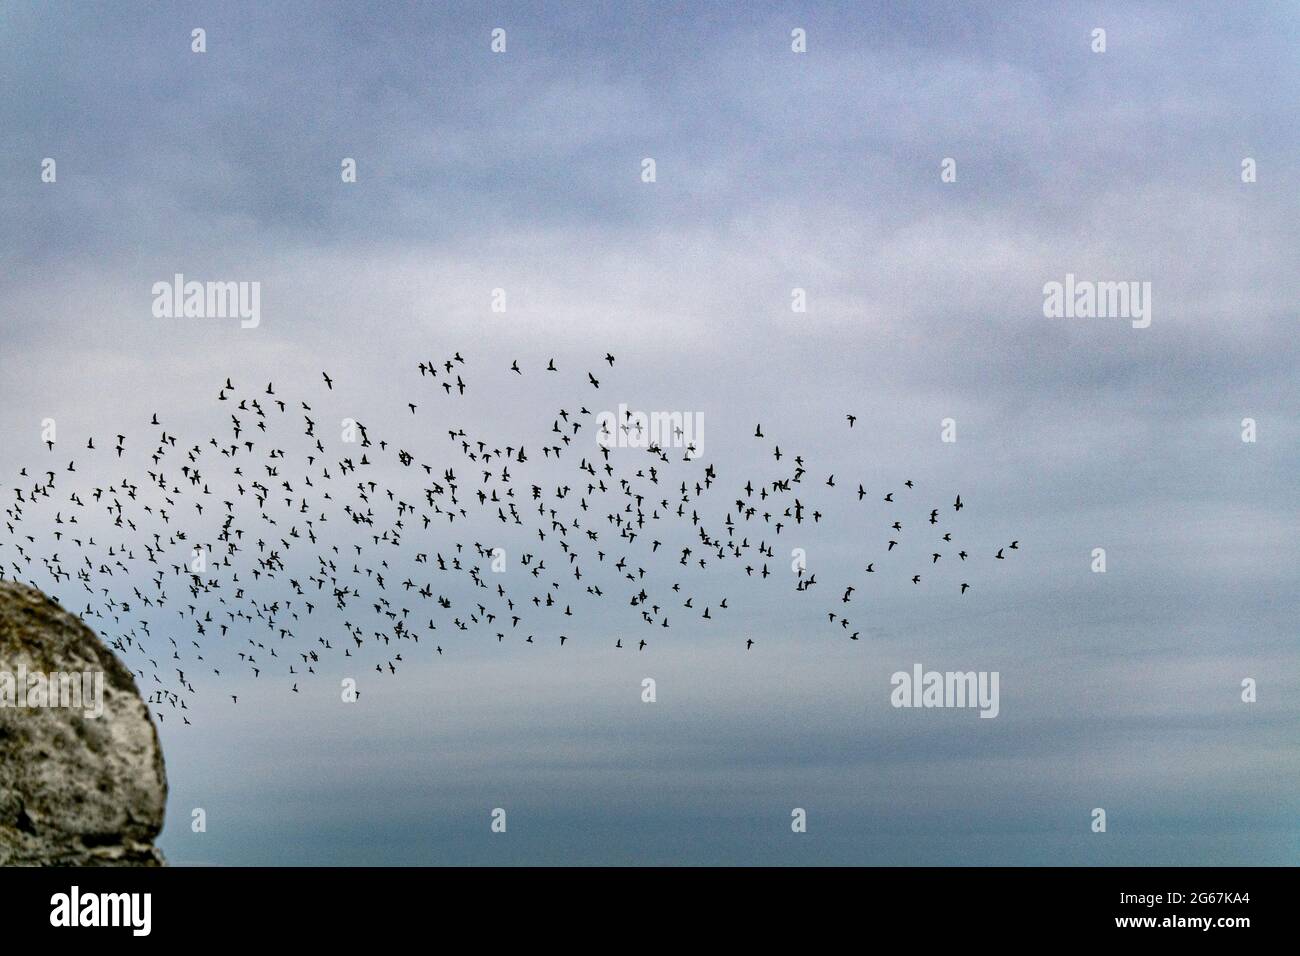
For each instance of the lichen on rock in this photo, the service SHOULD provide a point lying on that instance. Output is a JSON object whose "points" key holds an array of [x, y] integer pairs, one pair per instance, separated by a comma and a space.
{"points": [[75, 789]]}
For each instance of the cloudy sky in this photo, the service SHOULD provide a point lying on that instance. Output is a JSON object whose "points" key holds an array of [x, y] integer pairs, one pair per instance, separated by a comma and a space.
{"points": [[775, 170]]}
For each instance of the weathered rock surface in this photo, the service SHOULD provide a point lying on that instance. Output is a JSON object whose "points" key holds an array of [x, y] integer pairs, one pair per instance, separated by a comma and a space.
{"points": [[74, 790]]}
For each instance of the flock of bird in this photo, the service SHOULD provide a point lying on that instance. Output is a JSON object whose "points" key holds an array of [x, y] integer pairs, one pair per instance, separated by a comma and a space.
{"points": [[229, 543]]}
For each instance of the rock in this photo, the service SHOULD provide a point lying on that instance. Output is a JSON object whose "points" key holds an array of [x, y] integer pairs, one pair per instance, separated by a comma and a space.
{"points": [[75, 790]]}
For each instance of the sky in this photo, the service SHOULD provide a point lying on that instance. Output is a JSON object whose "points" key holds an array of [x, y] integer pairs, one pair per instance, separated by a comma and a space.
{"points": [[522, 170]]}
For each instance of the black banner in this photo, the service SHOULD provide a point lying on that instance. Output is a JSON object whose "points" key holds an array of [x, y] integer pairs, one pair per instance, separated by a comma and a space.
{"points": [[211, 905]]}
